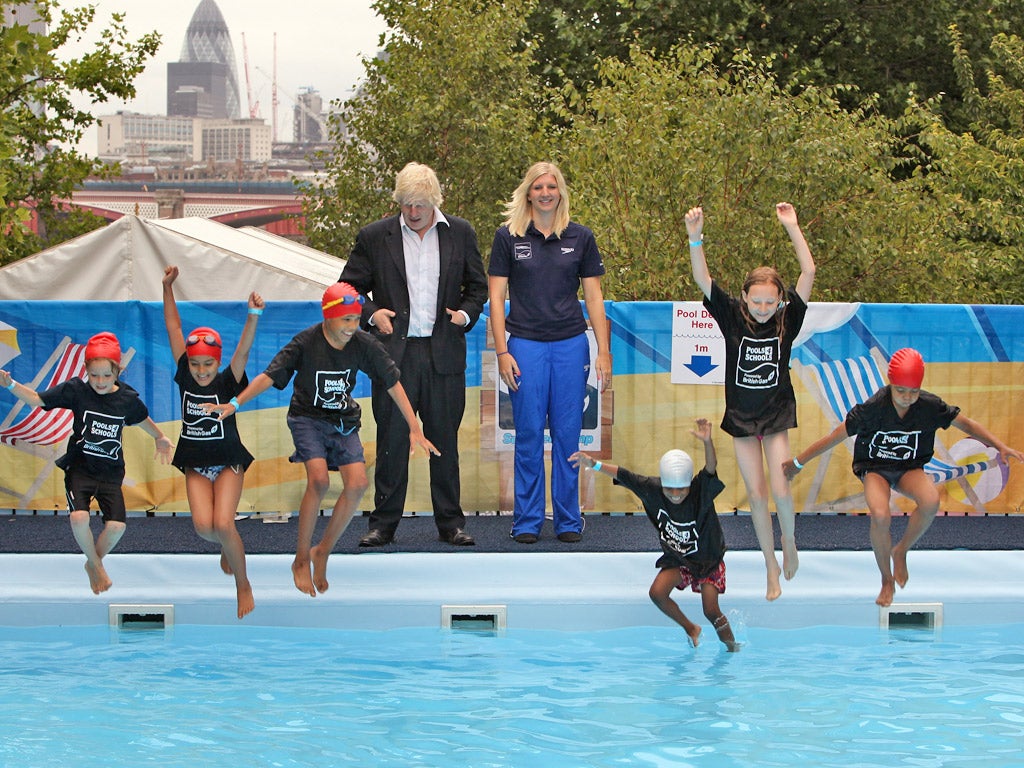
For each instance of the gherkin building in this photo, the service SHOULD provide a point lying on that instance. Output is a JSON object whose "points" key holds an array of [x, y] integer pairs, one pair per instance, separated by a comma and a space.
{"points": [[208, 40]]}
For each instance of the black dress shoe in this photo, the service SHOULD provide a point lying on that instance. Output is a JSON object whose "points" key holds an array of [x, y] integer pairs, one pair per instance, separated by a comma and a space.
{"points": [[458, 537], [376, 538]]}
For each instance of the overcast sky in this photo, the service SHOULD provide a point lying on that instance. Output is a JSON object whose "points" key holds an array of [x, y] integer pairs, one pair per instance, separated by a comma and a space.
{"points": [[320, 44]]}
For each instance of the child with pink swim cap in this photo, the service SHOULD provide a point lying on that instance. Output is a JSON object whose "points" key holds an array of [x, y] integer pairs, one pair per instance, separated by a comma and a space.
{"points": [[93, 466], [210, 452], [895, 437]]}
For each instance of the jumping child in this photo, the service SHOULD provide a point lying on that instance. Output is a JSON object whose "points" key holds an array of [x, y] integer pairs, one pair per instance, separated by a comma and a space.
{"points": [[94, 463], [210, 452], [324, 419], [895, 438], [682, 508], [760, 406]]}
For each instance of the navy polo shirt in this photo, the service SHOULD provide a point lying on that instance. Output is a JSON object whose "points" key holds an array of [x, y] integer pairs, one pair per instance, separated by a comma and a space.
{"points": [[544, 278]]}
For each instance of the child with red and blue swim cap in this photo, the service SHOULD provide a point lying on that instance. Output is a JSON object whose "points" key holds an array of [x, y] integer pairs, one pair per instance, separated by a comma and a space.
{"points": [[324, 418]]}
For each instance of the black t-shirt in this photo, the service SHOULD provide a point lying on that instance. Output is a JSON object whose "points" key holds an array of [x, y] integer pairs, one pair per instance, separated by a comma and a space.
{"points": [[689, 532], [95, 446], [325, 377], [759, 398], [885, 441], [205, 440]]}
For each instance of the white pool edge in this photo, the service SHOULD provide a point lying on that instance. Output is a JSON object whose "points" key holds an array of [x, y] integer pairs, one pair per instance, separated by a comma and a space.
{"points": [[539, 590]]}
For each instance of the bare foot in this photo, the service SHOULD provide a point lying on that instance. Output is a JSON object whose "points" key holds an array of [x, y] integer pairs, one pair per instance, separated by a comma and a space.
{"points": [[303, 582], [899, 566], [790, 558], [94, 583], [319, 558], [694, 635], [245, 600], [774, 588], [888, 592], [732, 646], [98, 578], [224, 564]]}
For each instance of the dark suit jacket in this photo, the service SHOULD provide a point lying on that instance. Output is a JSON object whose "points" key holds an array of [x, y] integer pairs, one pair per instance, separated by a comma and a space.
{"points": [[376, 268]]}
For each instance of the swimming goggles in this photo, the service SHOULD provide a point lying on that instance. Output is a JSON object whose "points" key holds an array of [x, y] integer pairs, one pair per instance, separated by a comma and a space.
{"points": [[344, 300], [192, 340]]}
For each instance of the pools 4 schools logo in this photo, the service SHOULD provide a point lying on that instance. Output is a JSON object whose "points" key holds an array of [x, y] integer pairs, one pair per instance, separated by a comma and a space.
{"points": [[332, 390], [896, 446], [197, 424], [682, 537], [101, 436], [758, 363]]}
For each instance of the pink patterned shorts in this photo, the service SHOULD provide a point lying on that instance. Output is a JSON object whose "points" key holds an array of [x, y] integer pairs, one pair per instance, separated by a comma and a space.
{"points": [[715, 578]]}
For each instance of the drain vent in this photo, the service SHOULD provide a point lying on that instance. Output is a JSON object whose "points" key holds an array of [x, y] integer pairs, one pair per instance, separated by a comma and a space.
{"points": [[910, 616], [486, 618], [141, 616]]}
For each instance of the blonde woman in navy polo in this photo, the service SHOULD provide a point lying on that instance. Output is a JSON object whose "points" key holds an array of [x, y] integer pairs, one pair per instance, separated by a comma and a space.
{"points": [[541, 259]]}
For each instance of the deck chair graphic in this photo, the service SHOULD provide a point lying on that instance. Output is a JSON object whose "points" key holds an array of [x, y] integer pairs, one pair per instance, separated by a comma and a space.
{"points": [[837, 386], [44, 433]]}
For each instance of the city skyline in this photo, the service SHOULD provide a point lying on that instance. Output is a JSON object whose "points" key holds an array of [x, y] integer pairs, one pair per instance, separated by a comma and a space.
{"points": [[306, 58]]}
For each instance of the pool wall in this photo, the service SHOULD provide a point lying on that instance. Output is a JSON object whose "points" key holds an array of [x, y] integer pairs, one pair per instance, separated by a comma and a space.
{"points": [[539, 590]]}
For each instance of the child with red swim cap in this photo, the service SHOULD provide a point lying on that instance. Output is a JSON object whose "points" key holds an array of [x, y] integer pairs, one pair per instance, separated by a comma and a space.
{"points": [[93, 466], [324, 419], [210, 452], [895, 437]]}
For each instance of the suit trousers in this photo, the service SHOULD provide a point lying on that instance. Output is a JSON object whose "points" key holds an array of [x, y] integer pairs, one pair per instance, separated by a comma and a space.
{"points": [[440, 401]]}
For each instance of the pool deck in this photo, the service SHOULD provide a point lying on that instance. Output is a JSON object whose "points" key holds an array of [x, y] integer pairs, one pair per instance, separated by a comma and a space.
{"points": [[584, 590], [165, 534], [971, 565]]}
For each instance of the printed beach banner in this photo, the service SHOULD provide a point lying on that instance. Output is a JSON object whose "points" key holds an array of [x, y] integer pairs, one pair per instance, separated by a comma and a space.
{"points": [[668, 364]]}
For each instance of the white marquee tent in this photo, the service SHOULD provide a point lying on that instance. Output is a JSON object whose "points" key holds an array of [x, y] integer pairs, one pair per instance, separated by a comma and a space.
{"points": [[126, 259]]}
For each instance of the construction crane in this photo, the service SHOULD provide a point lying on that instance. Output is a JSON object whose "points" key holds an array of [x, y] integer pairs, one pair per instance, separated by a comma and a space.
{"points": [[299, 104], [273, 94], [254, 107]]}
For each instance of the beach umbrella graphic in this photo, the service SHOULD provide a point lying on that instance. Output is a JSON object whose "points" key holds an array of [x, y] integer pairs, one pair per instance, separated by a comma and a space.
{"points": [[8, 343]]}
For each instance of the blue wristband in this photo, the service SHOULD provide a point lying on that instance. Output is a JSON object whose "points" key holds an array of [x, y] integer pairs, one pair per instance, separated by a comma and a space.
{"points": [[10, 387], [797, 464], [697, 243], [255, 311], [233, 402], [597, 466]]}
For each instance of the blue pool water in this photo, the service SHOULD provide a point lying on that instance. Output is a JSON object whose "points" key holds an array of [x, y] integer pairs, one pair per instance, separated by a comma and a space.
{"points": [[247, 696]]}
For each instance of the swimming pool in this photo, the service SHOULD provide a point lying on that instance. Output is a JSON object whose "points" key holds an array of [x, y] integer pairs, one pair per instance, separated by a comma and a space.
{"points": [[588, 673], [251, 696]]}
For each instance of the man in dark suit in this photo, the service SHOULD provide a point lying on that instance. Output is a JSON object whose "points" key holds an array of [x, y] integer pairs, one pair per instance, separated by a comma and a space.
{"points": [[424, 280]]}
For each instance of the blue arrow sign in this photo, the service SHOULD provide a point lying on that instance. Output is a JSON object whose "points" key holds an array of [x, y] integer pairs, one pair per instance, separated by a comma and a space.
{"points": [[701, 364]]}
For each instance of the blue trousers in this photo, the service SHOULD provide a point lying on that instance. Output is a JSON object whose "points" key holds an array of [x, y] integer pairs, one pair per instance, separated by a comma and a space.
{"points": [[551, 393]]}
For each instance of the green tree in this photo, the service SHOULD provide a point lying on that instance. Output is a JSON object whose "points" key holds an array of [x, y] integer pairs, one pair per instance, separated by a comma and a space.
{"points": [[38, 117], [896, 50], [451, 89], [980, 174], [466, 87], [662, 134]]}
